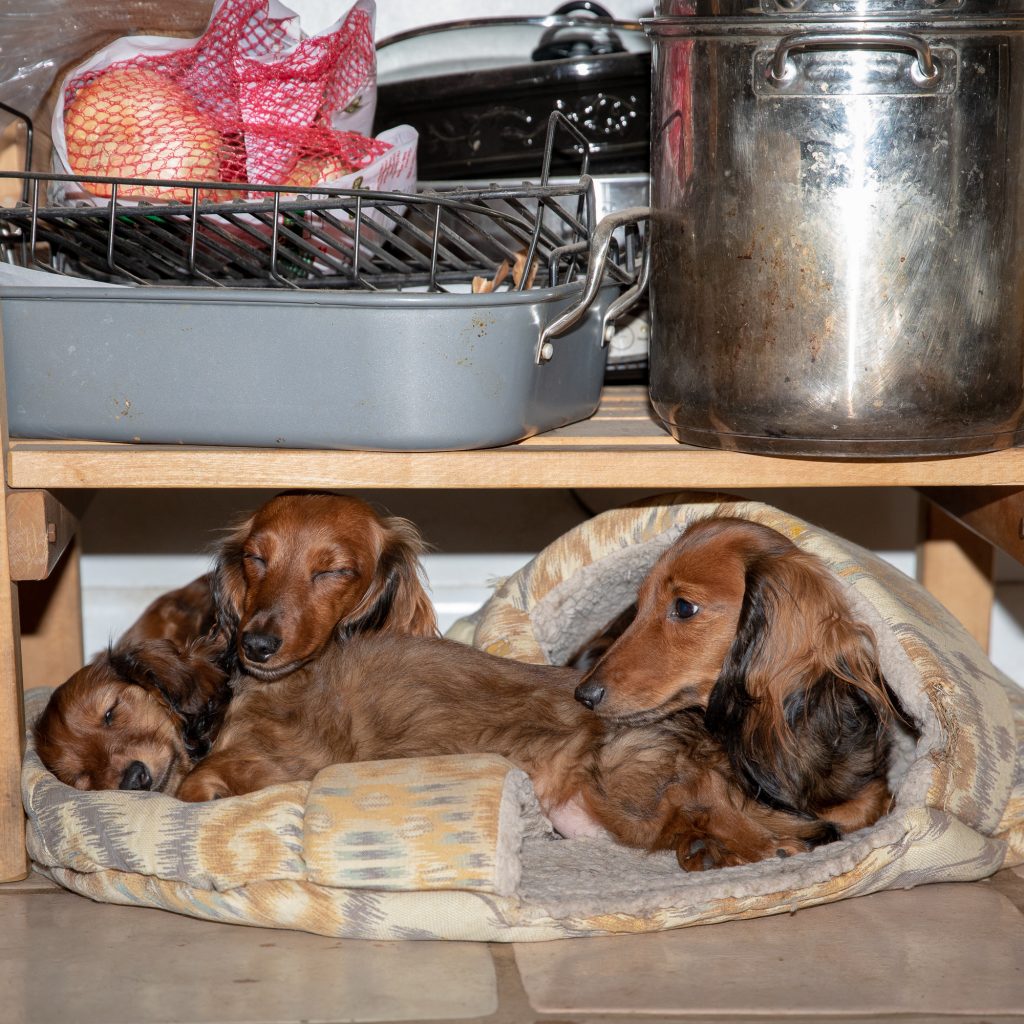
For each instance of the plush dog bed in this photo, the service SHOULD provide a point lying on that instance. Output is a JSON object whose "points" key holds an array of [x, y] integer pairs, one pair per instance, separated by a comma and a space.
{"points": [[456, 847]]}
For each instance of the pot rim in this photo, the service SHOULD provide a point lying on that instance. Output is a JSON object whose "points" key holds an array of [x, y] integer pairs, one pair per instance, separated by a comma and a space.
{"points": [[763, 25], [835, 10]]}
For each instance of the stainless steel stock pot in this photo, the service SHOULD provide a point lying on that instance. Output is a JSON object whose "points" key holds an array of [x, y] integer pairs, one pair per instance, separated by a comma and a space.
{"points": [[837, 226]]}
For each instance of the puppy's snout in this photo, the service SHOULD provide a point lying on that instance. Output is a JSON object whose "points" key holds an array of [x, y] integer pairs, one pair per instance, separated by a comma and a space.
{"points": [[260, 647], [136, 776], [590, 693]]}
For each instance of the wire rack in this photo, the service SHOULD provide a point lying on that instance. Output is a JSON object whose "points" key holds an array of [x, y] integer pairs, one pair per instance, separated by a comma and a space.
{"points": [[303, 238]]}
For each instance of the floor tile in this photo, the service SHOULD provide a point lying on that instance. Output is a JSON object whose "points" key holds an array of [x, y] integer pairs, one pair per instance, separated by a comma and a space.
{"points": [[34, 883], [1010, 882], [65, 960], [935, 950]]}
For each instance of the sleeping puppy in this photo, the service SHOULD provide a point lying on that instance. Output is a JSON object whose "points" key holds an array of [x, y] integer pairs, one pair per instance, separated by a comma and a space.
{"points": [[140, 714], [304, 571], [308, 569], [736, 619], [137, 716]]}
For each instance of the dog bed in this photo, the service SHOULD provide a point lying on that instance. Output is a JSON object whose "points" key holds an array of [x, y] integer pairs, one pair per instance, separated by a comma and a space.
{"points": [[457, 848]]}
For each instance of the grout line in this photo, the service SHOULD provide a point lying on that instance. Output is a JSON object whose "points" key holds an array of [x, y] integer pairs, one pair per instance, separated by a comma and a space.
{"points": [[1010, 884]]}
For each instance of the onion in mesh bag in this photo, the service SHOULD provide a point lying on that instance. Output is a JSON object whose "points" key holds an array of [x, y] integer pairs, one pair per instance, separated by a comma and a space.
{"points": [[316, 170], [133, 123]]}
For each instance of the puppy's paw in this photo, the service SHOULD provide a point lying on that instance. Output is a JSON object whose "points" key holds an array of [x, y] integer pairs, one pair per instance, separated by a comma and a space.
{"points": [[810, 836], [200, 787], [706, 853]]}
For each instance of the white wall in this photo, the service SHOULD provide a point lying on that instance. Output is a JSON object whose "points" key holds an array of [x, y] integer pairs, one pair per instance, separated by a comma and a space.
{"points": [[399, 15]]}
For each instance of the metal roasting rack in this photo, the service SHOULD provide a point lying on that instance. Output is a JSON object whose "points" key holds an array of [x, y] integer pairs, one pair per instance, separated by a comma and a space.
{"points": [[315, 238]]}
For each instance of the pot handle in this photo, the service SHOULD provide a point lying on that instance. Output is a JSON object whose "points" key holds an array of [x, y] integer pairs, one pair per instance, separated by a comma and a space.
{"points": [[600, 243], [781, 69], [587, 37]]}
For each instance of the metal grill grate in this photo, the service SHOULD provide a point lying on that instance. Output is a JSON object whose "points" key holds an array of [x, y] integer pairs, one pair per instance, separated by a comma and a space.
{"points": [[304, 239]]}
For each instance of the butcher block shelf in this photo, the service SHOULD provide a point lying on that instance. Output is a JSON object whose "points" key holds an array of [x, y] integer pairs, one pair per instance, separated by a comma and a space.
{"points": [[620, 446]]}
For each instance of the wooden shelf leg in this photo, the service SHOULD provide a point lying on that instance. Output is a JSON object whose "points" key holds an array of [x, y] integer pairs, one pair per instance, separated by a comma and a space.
{"points": [[50, 611], [955, 565], [13, 859]]}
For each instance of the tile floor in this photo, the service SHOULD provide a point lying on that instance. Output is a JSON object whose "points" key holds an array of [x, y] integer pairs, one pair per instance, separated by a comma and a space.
{"points": [[940, 953]]}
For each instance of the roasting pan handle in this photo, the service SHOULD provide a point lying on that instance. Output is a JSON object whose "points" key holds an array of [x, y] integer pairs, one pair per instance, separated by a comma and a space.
{"points": [[628, 299], [600, 243]]}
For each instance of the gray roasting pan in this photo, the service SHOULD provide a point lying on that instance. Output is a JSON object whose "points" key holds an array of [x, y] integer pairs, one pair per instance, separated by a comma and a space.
{"points": [[226, 366]]}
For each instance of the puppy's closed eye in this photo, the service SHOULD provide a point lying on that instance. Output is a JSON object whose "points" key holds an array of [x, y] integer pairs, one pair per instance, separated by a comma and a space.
{"points": [[345, 572]]}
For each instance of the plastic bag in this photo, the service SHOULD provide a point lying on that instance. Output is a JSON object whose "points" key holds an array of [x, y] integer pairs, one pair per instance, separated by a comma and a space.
{"points": [[41, 39]]}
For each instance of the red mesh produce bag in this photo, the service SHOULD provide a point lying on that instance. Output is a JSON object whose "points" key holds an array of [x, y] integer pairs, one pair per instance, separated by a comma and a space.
{"points": [[250, 101]]}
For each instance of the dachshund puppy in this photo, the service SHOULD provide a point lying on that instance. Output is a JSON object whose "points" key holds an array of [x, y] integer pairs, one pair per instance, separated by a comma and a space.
{"points": [[140, 714], [735, 618], [136, 717], [307, 569], [664, 786]]}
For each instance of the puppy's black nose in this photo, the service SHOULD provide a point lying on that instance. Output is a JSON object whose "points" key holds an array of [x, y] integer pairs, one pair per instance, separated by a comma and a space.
{"points": [[590, 693], [136, 776], [260, 646]]}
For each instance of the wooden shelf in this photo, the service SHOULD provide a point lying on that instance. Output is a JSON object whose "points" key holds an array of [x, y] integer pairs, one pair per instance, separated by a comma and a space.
{"points": [[604, 451]]}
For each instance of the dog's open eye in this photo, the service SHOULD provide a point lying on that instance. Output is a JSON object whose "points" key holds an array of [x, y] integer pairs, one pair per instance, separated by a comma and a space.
{"points": [[683, 609], [108, 718]]}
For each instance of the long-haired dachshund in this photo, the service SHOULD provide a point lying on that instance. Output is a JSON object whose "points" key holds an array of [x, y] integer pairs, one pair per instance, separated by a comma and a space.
{"points": [[140, 714], [307, 569], [664, 786], [735, 618]]}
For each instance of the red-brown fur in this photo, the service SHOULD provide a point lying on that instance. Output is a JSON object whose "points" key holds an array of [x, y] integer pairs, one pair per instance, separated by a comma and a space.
{"points": [[788, 675], [180, 615], [307, 569], [665, 786]]}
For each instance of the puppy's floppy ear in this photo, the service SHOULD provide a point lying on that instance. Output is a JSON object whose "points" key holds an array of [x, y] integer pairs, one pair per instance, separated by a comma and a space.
{"points": [[397, 601], [800, 705], [187, 679], [730, 703], [228, 583], [838, 718], [204, 660], [191, 681]]}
